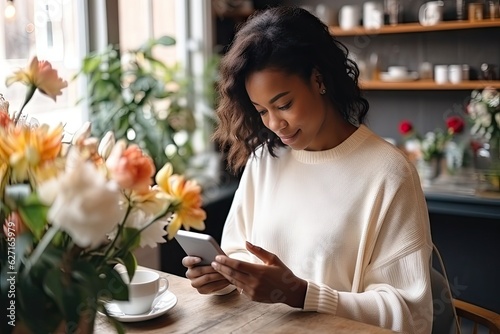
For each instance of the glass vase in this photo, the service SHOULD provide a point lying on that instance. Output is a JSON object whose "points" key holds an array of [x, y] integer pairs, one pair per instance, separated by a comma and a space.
{"points": [[488, 165], [429, 170]]}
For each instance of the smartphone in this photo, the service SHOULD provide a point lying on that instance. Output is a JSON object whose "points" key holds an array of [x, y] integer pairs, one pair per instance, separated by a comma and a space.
{"points": [[200, 245]]}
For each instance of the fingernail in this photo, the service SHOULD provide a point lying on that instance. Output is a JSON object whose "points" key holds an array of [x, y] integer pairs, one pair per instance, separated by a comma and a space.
{"points": [[218, 258], [215, 265], [197, 260]]}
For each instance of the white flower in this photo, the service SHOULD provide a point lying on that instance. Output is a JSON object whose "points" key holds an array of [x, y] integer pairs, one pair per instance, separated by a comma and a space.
{"points": [[481, 109], [82, 133], [83, 204], [489, 94], [485, 120], [145, 209], [494, 102], [154, 233], [106, 145]]}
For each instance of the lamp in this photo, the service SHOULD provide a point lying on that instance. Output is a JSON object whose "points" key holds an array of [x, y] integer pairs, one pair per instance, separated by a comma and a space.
{"points": [[10, 10]]}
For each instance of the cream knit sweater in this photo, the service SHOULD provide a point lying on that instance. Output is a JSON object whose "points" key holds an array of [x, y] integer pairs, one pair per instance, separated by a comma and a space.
{"points": [[351, 220]]}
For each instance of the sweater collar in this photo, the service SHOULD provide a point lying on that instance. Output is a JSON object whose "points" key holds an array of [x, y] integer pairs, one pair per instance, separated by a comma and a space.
{"points": [[344, 148]]}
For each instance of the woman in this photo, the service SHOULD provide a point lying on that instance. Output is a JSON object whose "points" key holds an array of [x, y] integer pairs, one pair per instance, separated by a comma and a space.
{"points": [[328, 216]]}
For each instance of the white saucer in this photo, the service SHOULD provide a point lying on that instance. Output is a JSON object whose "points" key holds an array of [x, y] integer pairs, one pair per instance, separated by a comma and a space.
{"points": [[162, 305], [411, 76]]}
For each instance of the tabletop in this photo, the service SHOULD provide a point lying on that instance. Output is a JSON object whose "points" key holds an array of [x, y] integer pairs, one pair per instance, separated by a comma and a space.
{"points": [[234, 313]]}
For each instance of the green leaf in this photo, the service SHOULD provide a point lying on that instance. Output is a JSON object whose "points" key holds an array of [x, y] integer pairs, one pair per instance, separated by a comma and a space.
{"points": [[165, 40], [37, 310], [130, 237], [33, 214], [91, 64], [113, 284], [53, 286], [86, 274], [130, 262]]}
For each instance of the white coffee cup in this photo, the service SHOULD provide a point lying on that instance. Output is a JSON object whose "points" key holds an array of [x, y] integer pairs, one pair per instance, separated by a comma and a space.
{"points": [[455, 73], [142, 291], [441, 74], [349, 17]]}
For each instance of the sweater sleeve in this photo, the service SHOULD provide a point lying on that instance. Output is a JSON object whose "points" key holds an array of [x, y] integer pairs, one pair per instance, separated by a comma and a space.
{"points": [[395, 297], [395, 286]]}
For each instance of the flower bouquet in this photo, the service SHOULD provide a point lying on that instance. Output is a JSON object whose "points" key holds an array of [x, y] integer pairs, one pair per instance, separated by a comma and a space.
{"points": [[72, 211], [427, 151], [433, 144], [484, 113]]}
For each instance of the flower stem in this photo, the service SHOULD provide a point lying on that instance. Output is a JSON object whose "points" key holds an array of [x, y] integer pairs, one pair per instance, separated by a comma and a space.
{"points": [[29, 95], [120, 229], [37, 253]]}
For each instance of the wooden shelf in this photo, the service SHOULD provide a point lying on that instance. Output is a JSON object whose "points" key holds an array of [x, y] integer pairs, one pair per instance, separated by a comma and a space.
{"points": [[427, 85], [416, 27]]}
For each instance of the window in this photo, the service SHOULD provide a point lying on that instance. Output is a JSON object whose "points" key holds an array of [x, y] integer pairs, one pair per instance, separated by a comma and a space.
{"points": [[139, 21], [52, 30], [58, 31], [190, 23]]}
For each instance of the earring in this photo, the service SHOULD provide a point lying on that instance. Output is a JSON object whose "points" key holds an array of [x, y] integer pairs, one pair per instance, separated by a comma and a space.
{"points": [[323, 91]]}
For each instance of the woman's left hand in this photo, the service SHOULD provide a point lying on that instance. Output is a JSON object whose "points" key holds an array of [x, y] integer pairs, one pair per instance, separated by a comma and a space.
{"points": [[271, 282]]}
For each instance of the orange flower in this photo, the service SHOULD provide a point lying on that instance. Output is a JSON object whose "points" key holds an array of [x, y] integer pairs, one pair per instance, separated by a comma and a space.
{"points": [[41, 75], [130, 167], [186, 195], [29, 151]]}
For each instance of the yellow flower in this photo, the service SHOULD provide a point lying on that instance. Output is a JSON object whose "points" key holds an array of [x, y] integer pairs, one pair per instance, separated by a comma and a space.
{"points": [[30, 153], [186, 195], [41, 75]]}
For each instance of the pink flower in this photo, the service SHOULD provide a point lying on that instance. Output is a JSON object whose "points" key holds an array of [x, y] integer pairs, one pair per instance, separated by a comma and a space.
{"points": [[4, 119], [130, 167], [14, 225], [41, 75]]}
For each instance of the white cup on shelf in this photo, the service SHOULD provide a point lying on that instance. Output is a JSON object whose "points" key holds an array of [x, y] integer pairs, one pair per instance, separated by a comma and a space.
{"points": [[455, 74], [373, 15], [441, 74], [349, 17]]}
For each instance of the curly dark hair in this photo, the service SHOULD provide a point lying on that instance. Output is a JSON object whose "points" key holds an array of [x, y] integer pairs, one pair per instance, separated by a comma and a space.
{"points": [[296, 42]]}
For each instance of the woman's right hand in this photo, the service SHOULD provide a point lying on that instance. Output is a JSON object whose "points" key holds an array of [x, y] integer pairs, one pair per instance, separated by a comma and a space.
{"points": [[203, 278]]}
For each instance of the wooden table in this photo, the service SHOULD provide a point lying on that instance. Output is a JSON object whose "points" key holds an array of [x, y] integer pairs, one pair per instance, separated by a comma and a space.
{"points": [[234, 313]]}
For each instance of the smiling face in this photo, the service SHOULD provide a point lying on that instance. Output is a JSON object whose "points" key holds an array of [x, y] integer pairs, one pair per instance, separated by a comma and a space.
{"points": [[295, 110]]}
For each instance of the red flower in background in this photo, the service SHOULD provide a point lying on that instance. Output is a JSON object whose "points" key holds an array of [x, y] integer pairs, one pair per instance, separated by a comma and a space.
{"points": [[455, 124], [405, 127]]}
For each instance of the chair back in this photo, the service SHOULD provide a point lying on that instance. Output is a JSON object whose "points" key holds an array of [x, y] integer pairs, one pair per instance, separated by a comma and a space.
{"points": [[442, 303]]}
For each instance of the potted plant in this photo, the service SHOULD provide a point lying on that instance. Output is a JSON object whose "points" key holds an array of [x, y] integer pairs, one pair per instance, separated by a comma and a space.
{"points": [[143, 100]]}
